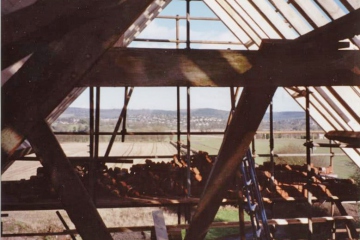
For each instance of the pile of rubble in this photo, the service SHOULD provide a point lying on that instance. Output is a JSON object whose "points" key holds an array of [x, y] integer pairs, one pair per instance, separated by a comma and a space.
{"points": [[292, 181], [162, 179], [149, 179], [155, 179]]}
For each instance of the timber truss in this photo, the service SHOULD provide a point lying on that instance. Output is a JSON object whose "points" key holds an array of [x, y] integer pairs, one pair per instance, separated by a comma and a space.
{"points": [[64, 47]]}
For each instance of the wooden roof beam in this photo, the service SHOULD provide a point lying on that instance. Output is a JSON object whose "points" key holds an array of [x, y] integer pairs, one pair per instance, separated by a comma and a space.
{"points": [[52, 73], [28, 29], [222, 68], [342, 28], [246, 119], [42, 83]]}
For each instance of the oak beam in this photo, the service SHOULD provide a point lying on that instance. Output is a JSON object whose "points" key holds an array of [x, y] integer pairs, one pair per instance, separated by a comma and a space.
{"points": [[246, 119], [72, 193], [223, 68]]}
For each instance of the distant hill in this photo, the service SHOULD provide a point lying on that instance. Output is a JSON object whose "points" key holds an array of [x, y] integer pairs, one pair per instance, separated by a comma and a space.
{"points": [[278, 116], [201, 112]]}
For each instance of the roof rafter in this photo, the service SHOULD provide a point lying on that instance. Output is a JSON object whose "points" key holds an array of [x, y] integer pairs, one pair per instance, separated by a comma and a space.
{"points": [[47, 78]]}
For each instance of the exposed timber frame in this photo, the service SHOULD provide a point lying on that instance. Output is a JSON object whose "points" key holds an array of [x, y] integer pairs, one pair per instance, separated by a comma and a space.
{"points": [[253, 67], [50, 83], [54, 70], [175, 67], [252, 105], [73, 196]]}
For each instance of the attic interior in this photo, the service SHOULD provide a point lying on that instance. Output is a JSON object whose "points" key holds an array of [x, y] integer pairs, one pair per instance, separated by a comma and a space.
{"points": [[52, 52]]}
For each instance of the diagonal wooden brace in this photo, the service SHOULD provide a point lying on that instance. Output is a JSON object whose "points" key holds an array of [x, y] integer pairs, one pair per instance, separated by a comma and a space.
{"points": [[246, 119], [72, 193]]}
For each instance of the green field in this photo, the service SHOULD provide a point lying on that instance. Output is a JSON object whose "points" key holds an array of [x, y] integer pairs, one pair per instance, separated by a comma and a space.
{"points": [[341, 164], [225, 214]]}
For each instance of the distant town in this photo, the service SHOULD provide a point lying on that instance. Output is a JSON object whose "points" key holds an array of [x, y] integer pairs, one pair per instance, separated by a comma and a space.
{"points": [[206, 119]]}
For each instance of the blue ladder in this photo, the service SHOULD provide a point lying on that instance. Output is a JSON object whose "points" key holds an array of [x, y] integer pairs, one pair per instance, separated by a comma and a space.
{"points": [[255, 206]]}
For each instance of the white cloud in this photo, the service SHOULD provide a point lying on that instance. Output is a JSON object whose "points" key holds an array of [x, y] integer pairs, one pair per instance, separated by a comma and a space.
{"points": [[154, 30]]}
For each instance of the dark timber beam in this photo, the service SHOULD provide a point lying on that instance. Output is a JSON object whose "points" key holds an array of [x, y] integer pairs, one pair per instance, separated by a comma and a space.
{"points": [[29, 29], [345, 27], [221, 68], [51, 74], [73, 196], [246, 119], [48, 77]]}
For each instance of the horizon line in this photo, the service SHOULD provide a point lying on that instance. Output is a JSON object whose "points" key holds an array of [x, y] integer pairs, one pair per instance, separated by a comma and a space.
{"points": [[156, 109]]}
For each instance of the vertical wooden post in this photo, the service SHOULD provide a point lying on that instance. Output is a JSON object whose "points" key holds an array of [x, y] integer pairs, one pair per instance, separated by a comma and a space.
{"points": [[123, 131], [178, 121], [177, 31], [92, 146], [188, 149], [97, 122], [308, 163], [272, 141], [187, 24]]}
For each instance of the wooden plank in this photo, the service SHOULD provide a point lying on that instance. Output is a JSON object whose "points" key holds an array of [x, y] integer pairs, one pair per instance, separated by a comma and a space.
{"points": [[350, 137], [170, 67], [292, 16], [332, 8], [313, 12], [246, 119], [354, 3], [230, 10], [275, 18], [159, 224], [259, 19], [248, 19], [228, 21]]}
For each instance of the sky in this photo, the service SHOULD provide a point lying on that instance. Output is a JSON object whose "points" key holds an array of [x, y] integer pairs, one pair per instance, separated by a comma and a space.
{"points": [[165, 97]]}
